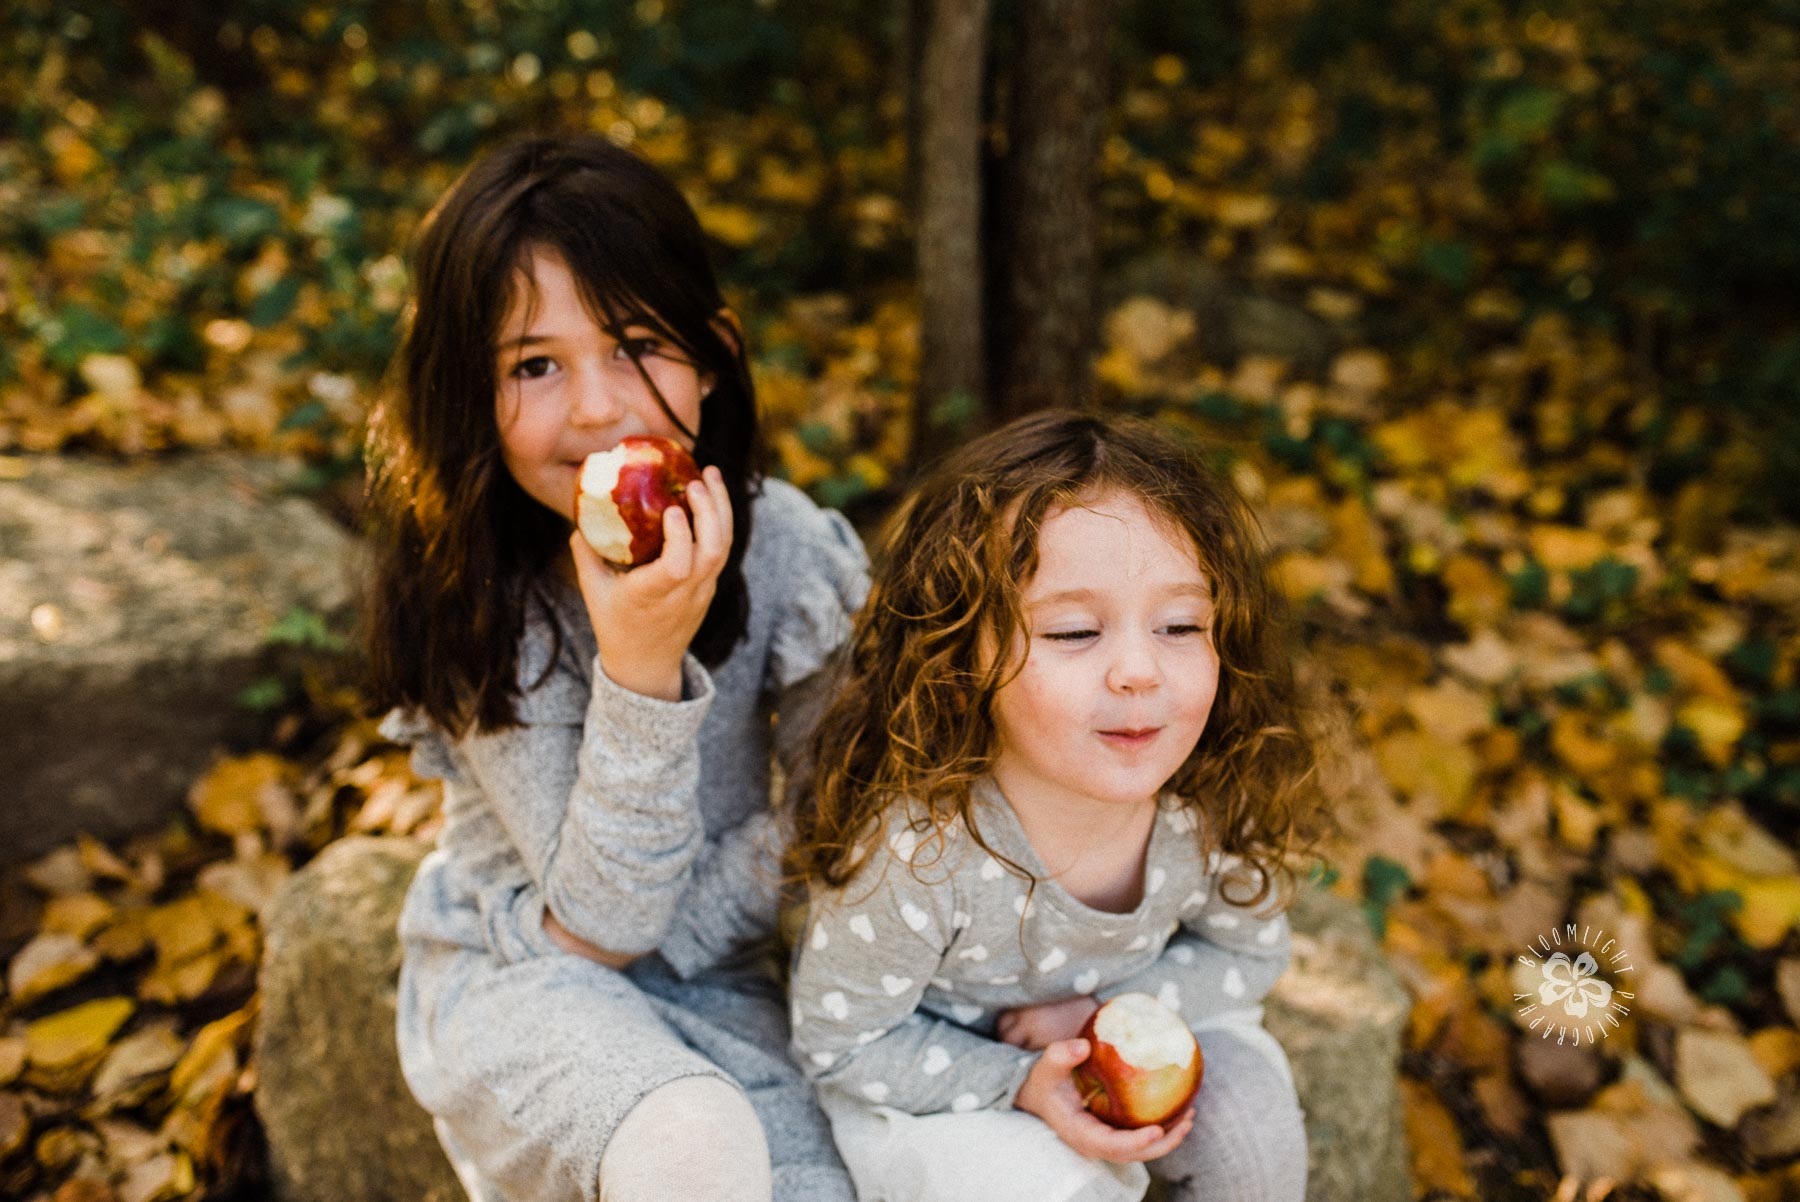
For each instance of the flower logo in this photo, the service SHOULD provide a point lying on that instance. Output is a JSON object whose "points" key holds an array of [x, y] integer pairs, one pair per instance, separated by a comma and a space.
{"points": [[1575, 983]]}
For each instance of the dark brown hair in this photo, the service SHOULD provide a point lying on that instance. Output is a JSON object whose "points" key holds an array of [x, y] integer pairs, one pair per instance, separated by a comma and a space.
{"points": [[914, 720], [458, 544]]}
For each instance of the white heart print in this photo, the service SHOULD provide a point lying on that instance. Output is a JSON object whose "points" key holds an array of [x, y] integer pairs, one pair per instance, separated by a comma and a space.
{"points": [[820, 939], [836, 1005], [991, 870], [978, 953], [895, 986], [913, 916], [1086, 981], [1157, 879], [1170, 996], [1270, 935], [865, 930], [1233, 984], [1223, 921], [1055, 960], [936, 1061]]}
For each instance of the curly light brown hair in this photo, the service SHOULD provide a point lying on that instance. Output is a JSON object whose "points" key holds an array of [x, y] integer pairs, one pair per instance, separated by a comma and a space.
{"points": [[913, 723]]}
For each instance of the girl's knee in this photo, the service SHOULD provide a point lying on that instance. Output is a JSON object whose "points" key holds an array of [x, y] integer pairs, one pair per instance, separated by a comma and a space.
{"points": [[1249, 1137], [695, 1137]]}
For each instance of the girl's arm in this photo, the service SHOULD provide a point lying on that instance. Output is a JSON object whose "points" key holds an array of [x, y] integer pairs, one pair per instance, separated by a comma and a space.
{"points": [[734, 899], [860, 970], [1226, 956], [599, 801]]}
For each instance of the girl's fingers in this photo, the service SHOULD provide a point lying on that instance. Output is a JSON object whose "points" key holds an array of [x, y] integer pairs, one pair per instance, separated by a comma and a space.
{"points": [[677, 559]]}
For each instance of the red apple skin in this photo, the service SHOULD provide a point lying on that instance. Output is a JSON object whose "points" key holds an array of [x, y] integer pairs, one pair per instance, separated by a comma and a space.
{"points": [[1122, 1095], [655, 475]]}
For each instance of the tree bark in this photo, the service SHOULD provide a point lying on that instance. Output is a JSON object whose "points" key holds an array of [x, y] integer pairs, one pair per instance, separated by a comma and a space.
{"points": [[1042, 331], [952, 376]]}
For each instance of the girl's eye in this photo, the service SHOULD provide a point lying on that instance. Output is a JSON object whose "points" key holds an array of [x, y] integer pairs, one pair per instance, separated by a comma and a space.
{"points": [[534, 367], [1187, 628], [637, 348], [1070, 636]]}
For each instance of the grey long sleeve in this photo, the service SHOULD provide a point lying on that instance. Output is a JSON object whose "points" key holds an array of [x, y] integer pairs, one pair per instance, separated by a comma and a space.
{"points": [[602, 814]]}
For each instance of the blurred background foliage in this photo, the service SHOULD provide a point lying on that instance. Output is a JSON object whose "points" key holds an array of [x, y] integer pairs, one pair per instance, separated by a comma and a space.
{"points": [[204, 208]]}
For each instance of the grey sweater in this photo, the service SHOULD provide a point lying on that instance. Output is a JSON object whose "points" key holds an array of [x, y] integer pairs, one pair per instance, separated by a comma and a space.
{"points": [[901, 975], [643, 824]]}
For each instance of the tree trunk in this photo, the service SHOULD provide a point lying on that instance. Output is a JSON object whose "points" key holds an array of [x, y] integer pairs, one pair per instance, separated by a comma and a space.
{"points": [[1042, 331], [948, 109]]}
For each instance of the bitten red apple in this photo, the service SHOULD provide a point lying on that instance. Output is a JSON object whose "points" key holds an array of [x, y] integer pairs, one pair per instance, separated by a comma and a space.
{"points": [[1145, 1064], [622, 493]]}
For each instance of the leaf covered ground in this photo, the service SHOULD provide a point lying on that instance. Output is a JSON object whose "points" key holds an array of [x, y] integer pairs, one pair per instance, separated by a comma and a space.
{"points": [[1420, 307]]}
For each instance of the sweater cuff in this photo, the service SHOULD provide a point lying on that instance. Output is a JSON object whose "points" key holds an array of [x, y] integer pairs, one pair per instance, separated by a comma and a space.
{"points": [[636, 727]]}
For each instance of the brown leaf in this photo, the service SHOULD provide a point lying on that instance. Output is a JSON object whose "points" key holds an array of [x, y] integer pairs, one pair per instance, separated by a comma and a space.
{"points": [[136, 1067]]}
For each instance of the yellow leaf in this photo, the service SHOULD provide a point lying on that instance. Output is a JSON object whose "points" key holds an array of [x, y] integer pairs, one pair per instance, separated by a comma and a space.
{"points": [[734, 225], [1717, 725], [1357, 539], [1566, 548], [1577, 746], [1405, 443], [1437, 1148], [70, 1043], [211, 1058], [236, 795], [181, 929], [1771, 910], [1429, 770], [1303, 576], [1450, 711], [1243, 212], [1694, 672], [1777, 1049], [1577, 820], [1479, 598], [77, 914]]}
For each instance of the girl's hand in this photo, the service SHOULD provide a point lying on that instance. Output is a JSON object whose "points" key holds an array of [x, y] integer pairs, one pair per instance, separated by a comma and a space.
{"points": [[1050, 1094], [1037, 1027], [644, 619]]}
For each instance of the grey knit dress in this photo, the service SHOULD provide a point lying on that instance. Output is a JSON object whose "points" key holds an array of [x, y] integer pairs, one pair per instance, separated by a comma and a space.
{"points": [[643, 824]]}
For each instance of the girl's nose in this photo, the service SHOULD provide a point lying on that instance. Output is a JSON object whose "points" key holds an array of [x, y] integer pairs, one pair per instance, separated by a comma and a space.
{"points": [[597, 400], [1134, 665]]}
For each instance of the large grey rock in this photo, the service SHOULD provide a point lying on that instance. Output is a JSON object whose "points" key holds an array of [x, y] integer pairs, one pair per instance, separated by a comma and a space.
{"points": [[339, 1120], [134, 604], [1339, 1012], [326, 1041]]}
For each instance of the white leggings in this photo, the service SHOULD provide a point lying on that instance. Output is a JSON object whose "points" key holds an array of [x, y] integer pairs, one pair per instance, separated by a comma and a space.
{"points": [[695, 1138]]}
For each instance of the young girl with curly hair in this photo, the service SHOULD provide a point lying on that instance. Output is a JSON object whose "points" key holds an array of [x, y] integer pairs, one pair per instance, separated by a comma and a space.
{"points": [[1067, 764]]}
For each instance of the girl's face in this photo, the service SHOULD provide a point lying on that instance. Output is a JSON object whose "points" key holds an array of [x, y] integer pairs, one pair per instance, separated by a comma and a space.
{"points": [[1119, 667], [567, 388]]}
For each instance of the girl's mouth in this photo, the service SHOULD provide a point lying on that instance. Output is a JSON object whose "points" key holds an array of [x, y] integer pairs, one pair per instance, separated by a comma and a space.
{"points": [[1136, 737]]}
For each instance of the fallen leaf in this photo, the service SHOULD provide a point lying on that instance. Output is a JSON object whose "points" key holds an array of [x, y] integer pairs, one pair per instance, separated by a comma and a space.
{"points": [[1787, 984], [1450, 711], [1592, 1146], [46, 964], [1719, 1076], [15, 1124], [1438, 1159], [77, 914], [12, 1058], [1777, 1049], [240, 795], [159, 1179], [62, 1049], [136, 1067], [1694, 1182]]}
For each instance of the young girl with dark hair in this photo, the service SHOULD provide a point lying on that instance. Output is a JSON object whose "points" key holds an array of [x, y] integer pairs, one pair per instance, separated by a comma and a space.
{"points": [[1067, 764], [571, 1011]]}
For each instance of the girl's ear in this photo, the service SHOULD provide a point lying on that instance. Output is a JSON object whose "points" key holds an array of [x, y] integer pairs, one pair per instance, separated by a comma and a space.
{"points": [[726, 323]]}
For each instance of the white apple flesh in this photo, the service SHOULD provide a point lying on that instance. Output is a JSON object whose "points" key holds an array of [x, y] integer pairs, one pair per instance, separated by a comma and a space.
{"points": [[621, 495], [1144, 1066]]}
